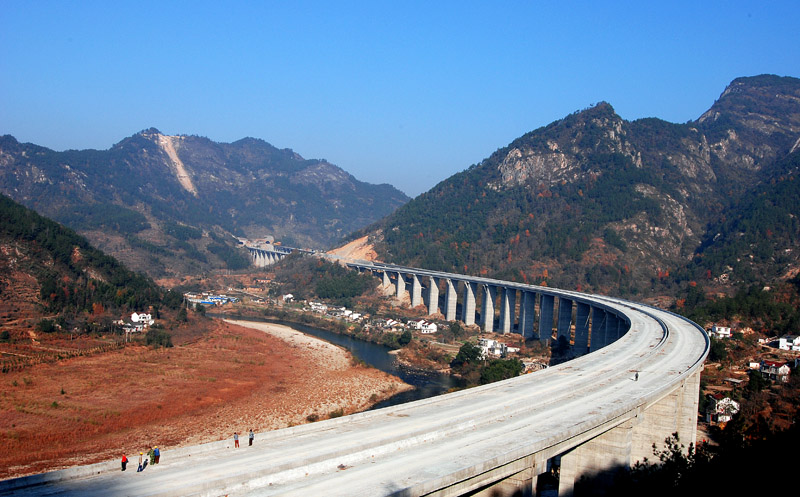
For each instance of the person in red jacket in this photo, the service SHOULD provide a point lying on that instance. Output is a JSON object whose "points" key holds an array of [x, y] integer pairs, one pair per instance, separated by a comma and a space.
{"points": [[124, 462]]}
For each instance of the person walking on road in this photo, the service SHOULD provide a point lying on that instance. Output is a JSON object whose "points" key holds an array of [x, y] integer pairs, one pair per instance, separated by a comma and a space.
{"points": [[152, 455], [141, 468], [636, 377], [235, 440], [124, 462], [251, 437], [157, 454]]}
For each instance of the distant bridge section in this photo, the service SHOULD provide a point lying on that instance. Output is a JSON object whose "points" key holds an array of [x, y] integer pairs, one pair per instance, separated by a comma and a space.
{"points": [[266, 254]]}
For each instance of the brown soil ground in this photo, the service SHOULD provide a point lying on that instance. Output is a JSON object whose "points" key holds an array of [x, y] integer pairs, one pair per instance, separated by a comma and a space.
{"points": [[233, 378], [357, 249]]}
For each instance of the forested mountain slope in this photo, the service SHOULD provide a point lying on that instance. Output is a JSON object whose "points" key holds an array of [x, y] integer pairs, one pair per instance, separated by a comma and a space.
{"points": [[48, 270], [168, 204], [596, 202]]}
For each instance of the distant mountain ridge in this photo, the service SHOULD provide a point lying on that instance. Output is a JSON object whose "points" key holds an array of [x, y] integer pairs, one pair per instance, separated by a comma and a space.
{"points": [[131, 199], [595, 202]]}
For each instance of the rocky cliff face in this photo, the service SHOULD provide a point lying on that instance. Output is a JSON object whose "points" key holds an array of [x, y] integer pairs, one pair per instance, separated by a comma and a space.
{"points": [[132, 199], [597, 202]]}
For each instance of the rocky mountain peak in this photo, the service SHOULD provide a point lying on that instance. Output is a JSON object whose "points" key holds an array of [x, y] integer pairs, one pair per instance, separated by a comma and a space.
{"points": [[559, 152], [755, 121]]}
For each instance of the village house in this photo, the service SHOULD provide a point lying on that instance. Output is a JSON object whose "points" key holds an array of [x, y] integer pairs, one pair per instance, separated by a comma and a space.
{"points": [[720, 409], [721, 331], [775, 371], [318, 307], [491, 347], [423, 326], [789, 342]]}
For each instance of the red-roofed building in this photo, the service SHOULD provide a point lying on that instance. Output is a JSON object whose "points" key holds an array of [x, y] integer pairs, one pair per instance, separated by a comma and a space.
{"points": [[775, 371]]}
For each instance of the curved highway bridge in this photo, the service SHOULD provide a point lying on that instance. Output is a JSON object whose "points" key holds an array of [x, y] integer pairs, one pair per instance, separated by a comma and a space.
{"points": [[591, 415]]}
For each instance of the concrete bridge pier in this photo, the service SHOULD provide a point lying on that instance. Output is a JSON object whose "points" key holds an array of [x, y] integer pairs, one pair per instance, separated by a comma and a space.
{"points": [[599, 338], [489, 295], [416, 291], [507, 304], [582, 327], [468, 305], [401, 286], [385, 281], [527, 313], [433, 295], [520, 483], [451, 301], [675, 413], [546, 304], [564, 318], [596, 460]]}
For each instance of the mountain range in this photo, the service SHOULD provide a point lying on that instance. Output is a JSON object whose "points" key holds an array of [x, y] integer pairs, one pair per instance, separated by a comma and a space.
{"points": [[598, 203], [169, 204]]}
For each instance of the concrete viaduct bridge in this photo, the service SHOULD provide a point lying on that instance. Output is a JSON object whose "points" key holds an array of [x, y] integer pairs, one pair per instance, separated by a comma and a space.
{"points": [[590, 415], [267, 254]]}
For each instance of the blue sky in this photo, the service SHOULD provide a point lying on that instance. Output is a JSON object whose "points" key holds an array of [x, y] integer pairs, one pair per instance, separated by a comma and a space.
{"points": [[406, 93]]}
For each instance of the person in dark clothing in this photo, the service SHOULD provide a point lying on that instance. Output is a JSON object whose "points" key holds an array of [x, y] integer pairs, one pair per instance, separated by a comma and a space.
{"points": [[156, 453], [251, 437]]}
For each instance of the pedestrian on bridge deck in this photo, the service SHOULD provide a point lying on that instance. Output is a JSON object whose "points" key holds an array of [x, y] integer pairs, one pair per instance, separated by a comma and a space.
{"points": [[124, 462], [141, 468], [235, 440], [156, 453], [251, 437]]}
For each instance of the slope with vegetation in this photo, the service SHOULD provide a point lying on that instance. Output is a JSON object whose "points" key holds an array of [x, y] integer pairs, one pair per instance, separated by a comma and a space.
{"points": [[52, 281], [168, 204], [631, 208]]}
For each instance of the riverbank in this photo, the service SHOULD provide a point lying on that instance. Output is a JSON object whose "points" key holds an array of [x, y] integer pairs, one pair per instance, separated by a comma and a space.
{"points": [[234, 378]]}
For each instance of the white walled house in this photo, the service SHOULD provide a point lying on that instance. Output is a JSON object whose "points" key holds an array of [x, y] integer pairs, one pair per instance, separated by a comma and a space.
{"points": [[789, 342], [776, 371], [720, 409], [721, 331]]}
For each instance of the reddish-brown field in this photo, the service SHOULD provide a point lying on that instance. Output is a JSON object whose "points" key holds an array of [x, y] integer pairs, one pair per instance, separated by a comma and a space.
{"points": [[87, 409]]}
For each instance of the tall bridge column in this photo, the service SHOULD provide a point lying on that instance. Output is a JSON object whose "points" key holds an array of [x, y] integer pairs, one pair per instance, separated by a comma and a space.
{"points": [[598, 459], [598, 329], [416, 291], [385, 281], [489, 294], [677, 412], [546, 304], [468, 306], [582, 327], [433, 295], [401, 286], [527, 313], [564, 318], [507, 303], [451, 301], [612, 325]]}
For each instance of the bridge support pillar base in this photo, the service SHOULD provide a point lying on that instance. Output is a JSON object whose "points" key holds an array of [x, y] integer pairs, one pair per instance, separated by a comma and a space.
{"points": [[592, 465]]}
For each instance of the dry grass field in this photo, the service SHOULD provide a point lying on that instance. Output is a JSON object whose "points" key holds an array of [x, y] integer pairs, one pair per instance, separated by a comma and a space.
{"points": [[86, 409]]}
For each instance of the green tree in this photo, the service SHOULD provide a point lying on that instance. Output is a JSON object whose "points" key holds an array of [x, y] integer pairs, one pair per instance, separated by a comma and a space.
{"points": [[467, 354], [501, 369]]}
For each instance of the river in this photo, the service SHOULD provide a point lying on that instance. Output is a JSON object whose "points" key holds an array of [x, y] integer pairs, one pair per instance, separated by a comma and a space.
{"points": [[426, 383]]}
